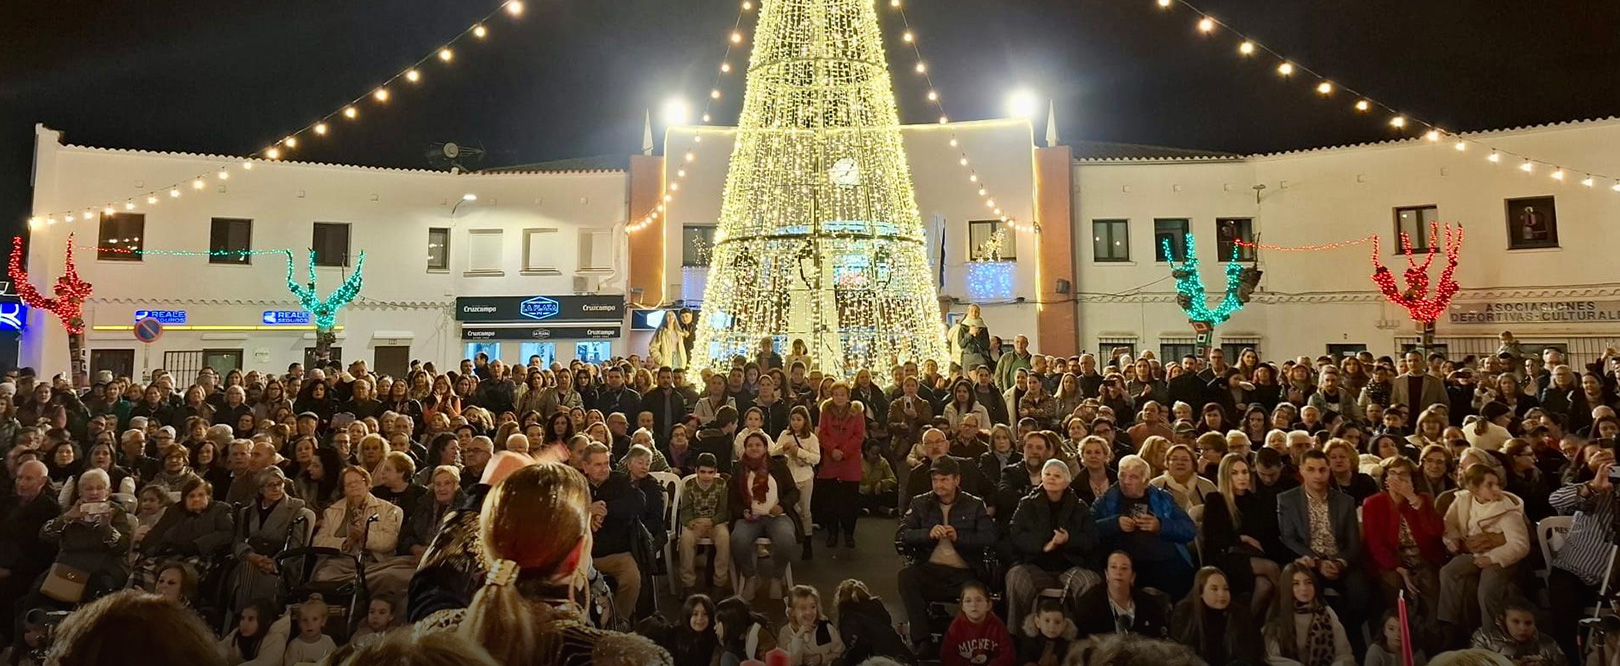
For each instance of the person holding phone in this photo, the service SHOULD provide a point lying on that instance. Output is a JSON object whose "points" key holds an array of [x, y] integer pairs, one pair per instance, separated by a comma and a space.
{"points": [[93, 536]]}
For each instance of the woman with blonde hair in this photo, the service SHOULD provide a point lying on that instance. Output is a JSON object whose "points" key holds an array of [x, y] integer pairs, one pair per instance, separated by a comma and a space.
{"points": [[1154, 450], [1241, 534], [1429, 428], [527, 612]]}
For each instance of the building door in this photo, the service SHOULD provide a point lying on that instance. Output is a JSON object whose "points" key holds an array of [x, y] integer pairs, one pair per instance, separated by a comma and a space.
{"points": [[394, 361], [309, 357], [222, 360], [121, 362]]}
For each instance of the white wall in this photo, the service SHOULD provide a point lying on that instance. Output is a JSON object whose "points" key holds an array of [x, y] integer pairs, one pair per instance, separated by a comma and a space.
{"points": [[1308, 299], [389, 210]]}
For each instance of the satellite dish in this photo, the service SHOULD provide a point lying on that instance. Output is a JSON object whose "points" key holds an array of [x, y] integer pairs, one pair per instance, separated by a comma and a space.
{"points": [[451, 155]]}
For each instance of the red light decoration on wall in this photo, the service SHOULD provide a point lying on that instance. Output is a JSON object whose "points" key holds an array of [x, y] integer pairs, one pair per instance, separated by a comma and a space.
{"points": [[1415, 298], [71, 292]]}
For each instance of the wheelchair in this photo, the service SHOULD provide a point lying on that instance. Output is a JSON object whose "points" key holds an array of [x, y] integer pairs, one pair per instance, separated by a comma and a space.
{"points": [[295, 583], [212, 597], [987, 568]]}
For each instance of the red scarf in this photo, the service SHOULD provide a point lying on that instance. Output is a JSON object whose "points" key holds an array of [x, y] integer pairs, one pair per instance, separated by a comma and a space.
{"points": [[761, 469]]}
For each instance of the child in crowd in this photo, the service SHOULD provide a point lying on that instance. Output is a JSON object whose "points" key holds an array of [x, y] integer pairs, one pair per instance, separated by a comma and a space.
{"points": [[379, 620], [312, 644], [809, 638], [743, 633], [753, 421], [1048, 633], [865, 625], [1303, 629], [705, 513], [1514, 635], [878, 483], [1385, 649], [259, 639], [695, 641], [976, 637]]}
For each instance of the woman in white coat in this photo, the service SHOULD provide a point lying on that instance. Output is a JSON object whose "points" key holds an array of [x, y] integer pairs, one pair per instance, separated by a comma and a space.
{"points": [[1486, 529], [801, 450]]}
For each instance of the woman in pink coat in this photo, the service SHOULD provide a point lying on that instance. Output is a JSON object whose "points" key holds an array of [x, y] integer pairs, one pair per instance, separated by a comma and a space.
{"points": [[842, 431]]}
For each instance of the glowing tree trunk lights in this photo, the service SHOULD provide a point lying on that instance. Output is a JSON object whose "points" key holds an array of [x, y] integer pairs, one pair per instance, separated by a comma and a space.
{"points": [[1415, 298], [1190, 295], [324, 311], [68, 305], [819, 233]]}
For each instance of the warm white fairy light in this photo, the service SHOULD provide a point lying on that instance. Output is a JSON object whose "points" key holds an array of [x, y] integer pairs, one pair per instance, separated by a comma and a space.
{"points": [[351, 112], [1587, 181], [446, 54], [223, 175], [1527, 167], [1431, 135], [1324, 88], [1286, 69], [1246, 48], [1494, 156], [320, 128], [412, 75], [380, 94], [1206, 25], [480, 31], [515, 7], [1558, 174], [1363, 105], [1460, 145], [1397, 121]]}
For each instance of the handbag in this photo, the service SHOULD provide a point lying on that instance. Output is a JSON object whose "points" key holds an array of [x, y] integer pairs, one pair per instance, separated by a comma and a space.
{"points": [[65, 583]]}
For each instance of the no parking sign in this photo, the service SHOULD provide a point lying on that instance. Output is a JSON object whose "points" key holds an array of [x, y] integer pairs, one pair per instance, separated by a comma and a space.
{"points": [[148, 330]]}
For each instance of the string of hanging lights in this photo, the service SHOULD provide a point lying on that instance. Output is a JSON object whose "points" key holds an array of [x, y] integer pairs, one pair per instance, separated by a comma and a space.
{"points": [[324, 126], [1250, 48], [733, 41], [937, 101]]}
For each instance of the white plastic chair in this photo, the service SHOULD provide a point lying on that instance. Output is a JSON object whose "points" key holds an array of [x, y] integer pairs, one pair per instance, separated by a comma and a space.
{"points": [[671, 486], [1550, 533]]}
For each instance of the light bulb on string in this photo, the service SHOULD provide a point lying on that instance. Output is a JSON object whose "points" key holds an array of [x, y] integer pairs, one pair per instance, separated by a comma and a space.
{"points": [[736, 37], [198, 184], [290, 142], [1206, 25], [446, 54], [1324, 88], [933, 96], [514, 7], [747, 5], [1286, 69], [223, 175], [108, 211], [151, 200], [130, 205], [412, 75], [1164, 3], [320, 128], [174, 193], [1616, 186], [1460, 145], [1397, 121], [1246, 48], [1527, 167], [725, 67], [1431, 135], [350, 112], [1363, 105], [381, 94], [921, 68], [480, 31], [1494, 156], [1588, 180]]}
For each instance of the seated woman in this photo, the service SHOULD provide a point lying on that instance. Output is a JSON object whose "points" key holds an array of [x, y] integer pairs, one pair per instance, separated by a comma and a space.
{"points": [[317, 482], [1485, 528], [196, 530], [1052, 537], [360, 524], [763, 497], [1240, 534], [444, 495], [1401, 531], [1180, 478], [527, 612], [1343, 474], [393, 479], [1208, 621], [92, 536], [443, 449], [1147, 524], [1095, 476], [1303, 630], [101, 457], [265, 527]]}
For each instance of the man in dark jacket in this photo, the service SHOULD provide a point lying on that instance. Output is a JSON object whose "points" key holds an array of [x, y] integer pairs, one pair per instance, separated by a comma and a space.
{"points": [[615, 507], [616, 397], [1188, 387], [1017, 478], [935, 447], [668, 406], [1054, 540], [23, 555], [942, 532], [769, 401]]}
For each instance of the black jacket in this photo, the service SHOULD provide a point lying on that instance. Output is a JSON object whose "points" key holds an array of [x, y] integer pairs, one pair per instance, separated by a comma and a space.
{"points": [[1094, 615], [624, 401], [1036, 520], [917, 481], [715, 441], [663, 419], [975, 530], [21, 549], [625, 505], [1190, 389]]}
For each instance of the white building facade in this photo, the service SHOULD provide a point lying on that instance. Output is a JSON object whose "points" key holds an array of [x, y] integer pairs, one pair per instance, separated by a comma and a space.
{"points": [[429, 238], [1537, 260]]}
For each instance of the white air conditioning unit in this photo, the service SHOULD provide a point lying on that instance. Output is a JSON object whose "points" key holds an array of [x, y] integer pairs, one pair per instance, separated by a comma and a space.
{"points": [[587, 284]]}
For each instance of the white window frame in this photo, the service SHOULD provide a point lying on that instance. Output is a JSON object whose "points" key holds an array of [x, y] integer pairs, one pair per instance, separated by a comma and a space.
{"points": [[475, 240], [591, 242], [534, 235]]}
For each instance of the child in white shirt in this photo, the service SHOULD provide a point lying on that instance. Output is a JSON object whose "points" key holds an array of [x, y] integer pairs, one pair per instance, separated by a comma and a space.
{"points": [[312, 644]]}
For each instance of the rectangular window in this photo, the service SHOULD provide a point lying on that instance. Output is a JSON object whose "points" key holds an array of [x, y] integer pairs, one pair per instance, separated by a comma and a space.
{"points": [[1234, 348], [1110, 240], [229, 240], [1106, 347], [331, 243], [538, 256], [598, 351], [484, 251], [595, 251], [990, 240], [121, 237], [1174, 232], [438, 254], [311, 362], [547, 351], [1414, 222], [697, 245], [490, 349], [1230, 230], [1174, 351]]}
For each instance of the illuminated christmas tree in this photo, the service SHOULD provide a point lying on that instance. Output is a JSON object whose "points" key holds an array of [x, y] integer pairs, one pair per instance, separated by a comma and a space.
{"points": [[819, 234]]}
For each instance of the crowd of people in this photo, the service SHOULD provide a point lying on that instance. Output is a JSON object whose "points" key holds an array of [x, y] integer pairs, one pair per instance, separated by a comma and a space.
{"points": [[1045, 508]]}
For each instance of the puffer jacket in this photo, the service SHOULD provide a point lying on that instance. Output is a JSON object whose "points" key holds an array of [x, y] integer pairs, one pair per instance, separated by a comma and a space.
{"points": [[1505, 516]]}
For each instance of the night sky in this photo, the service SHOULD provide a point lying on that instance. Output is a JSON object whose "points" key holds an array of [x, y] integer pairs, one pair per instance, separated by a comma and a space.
{"points": [[571, 77]]}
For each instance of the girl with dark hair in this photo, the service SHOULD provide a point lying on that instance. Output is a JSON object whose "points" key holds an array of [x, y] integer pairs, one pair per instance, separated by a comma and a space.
{"points": [[1208, 621], [259, 638], [744, 634], [695, 640], [314, 397], [1303, 629], [317, 483]]}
